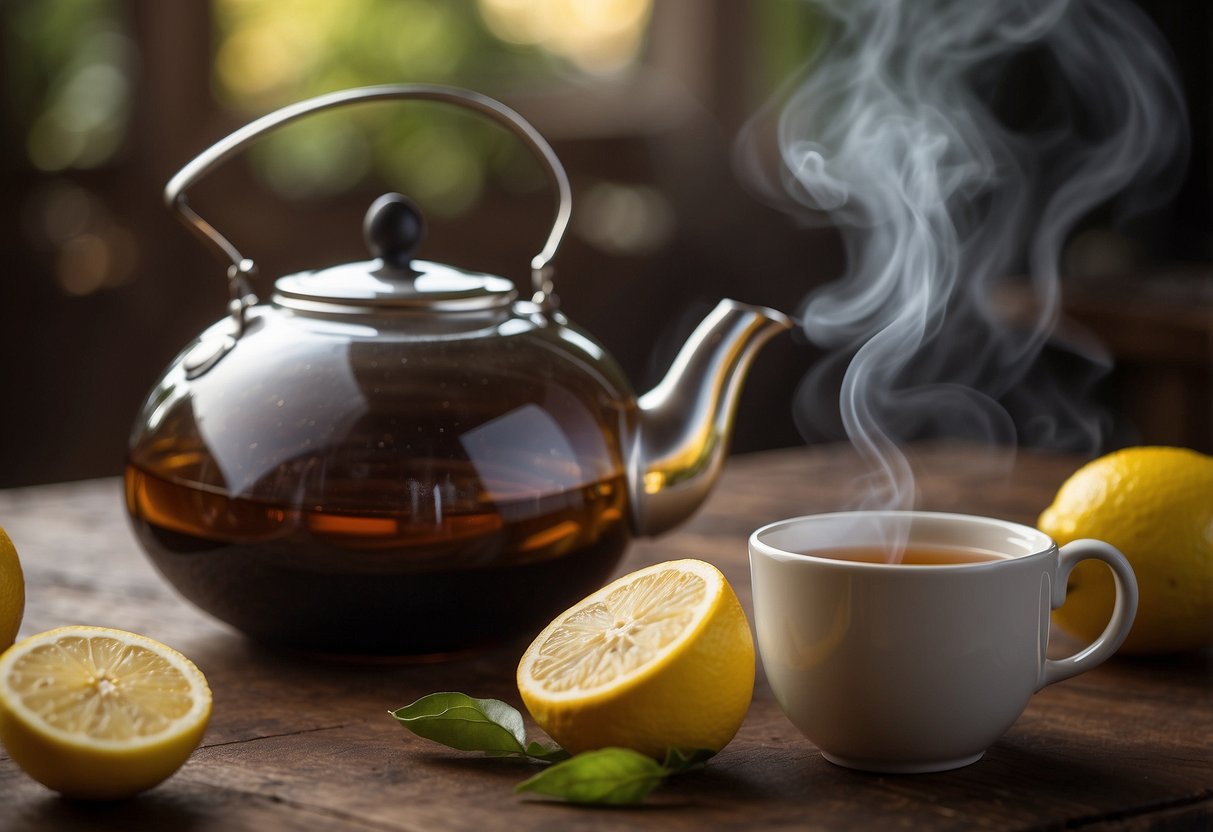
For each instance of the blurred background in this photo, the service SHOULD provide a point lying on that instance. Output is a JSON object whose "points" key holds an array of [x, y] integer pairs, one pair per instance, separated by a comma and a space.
{"points": [[104, 100]]}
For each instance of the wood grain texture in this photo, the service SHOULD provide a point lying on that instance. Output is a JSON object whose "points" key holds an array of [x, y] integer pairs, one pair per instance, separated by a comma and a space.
{"points": [[302, 743]]}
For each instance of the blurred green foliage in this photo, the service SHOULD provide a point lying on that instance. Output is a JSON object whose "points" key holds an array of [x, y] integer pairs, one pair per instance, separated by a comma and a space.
{"points": [[273, 52], [69, 78], [67, 66]]}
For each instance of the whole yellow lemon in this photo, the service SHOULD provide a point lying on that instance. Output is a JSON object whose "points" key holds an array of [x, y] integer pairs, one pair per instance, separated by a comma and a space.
{"points": [[12, 592], [1155, 504]]}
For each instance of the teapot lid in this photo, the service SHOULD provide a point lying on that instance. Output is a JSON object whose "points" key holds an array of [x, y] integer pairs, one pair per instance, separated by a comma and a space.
{"points": [[393, 280]]}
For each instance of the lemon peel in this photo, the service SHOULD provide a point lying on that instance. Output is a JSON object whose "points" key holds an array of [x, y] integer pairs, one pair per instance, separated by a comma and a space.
{"points": [[12, 591]]}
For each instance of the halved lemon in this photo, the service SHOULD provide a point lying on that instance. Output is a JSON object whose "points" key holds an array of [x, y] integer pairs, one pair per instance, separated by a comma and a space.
{"points": [[98, 713], [661, 658]]}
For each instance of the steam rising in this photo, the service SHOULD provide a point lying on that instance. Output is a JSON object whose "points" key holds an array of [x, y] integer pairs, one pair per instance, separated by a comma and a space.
{"points": [[894, 135]]}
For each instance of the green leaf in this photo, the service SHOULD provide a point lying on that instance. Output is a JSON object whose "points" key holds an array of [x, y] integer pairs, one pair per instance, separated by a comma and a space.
{"points": [[459, 721], [546, 753], [678, 761], [606, 777]]}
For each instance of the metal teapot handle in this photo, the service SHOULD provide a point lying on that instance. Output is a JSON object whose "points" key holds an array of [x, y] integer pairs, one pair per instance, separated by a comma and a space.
{"points": [[242, 267]]}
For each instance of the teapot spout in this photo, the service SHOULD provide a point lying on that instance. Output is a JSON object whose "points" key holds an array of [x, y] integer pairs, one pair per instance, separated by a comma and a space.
{"points": [[686, 420]]}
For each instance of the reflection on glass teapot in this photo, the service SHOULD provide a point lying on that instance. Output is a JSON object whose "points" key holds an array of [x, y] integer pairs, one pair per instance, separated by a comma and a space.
{"points": [[399, 457]]}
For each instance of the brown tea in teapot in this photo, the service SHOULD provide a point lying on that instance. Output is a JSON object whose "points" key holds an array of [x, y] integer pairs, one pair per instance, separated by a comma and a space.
{"points": [[436, 575]]}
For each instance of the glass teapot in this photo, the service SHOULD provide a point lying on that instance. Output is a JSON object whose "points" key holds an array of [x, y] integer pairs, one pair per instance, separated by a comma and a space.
{"points": [[399, 457]]}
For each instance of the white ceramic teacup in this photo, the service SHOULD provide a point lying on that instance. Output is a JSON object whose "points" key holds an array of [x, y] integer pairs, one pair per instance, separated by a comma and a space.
{"points": [[913, 668]]}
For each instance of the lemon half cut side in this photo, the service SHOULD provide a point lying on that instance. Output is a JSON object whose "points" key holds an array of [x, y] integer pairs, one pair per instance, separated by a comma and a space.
{"points": [[661, 658], [97, 713]]}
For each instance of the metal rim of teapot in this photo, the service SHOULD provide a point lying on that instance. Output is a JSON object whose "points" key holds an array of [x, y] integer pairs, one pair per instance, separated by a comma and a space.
{"points": [[241, 268]]}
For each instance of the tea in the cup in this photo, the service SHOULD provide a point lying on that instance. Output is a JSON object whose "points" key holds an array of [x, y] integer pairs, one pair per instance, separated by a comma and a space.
{"points": [[911, 555]]}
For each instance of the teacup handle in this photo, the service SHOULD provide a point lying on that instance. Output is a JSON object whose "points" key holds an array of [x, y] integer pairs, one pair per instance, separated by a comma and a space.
{"points": [[1125, 608]]}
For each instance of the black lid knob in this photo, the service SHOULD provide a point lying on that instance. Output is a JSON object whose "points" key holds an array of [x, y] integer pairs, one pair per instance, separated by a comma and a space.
{"points": [[393, 227]]}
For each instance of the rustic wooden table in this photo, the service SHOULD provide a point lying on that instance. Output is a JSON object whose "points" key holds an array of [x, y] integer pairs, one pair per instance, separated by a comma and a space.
{"points": [[299, 744]]}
